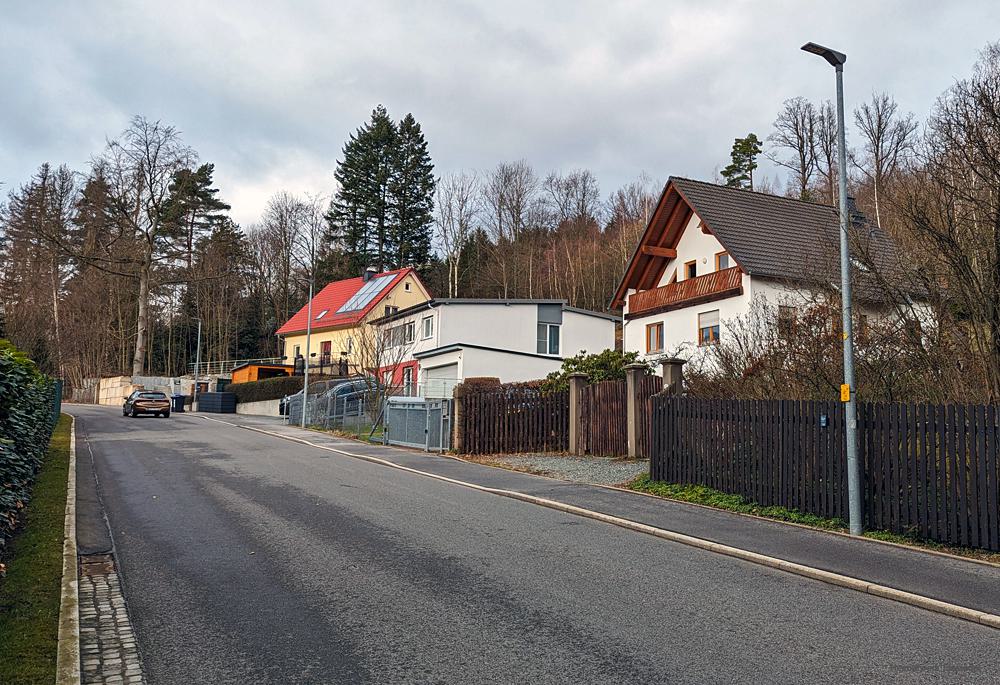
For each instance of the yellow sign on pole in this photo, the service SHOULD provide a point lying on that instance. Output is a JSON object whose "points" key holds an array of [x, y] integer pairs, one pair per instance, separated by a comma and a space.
{"points": [[845, 393]]}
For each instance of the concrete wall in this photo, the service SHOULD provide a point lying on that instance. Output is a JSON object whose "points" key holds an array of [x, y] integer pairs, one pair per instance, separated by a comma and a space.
{"points": [[262, 408]]}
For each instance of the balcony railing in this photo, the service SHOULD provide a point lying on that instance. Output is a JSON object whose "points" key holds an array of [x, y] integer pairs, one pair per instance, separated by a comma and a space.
{"points": [[713, 286]]}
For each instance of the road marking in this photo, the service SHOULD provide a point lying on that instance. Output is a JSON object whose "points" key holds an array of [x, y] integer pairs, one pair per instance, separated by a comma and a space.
{"points": [[829, 577], [68, 645]]}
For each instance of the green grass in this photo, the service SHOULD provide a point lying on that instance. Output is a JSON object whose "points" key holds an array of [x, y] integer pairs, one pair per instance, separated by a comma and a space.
{"points": [[699, 494], [30, 592]]}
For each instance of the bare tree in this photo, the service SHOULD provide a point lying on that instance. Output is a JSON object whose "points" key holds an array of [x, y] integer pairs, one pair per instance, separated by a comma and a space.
{"points": [[826, 150], [573, 198], [889, 139], [139, 167], [456, 216], [795, 133], [509, 206]]}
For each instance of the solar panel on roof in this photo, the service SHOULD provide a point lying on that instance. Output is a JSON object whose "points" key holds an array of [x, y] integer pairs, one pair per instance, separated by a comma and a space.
{"points": [[368, 292]]}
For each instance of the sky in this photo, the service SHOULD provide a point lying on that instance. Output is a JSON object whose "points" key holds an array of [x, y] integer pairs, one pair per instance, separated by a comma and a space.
{"points": [[270, 91]]}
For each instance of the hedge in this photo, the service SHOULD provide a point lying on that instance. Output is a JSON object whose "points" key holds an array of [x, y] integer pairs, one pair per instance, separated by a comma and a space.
{"points": [[270, 388], [26, 424]]}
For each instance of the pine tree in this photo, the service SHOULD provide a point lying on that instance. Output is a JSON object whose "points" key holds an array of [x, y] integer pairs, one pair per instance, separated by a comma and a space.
{"points": [[739, 173], [193, 210], [359, 214], [411, 192]]}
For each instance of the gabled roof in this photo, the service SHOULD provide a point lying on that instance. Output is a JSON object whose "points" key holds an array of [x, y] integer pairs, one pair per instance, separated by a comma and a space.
{"points": [[335, 295], [767, 235]]}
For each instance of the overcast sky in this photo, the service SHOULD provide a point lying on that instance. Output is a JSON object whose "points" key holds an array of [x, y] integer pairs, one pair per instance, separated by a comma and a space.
{"points": [[270, 94]]}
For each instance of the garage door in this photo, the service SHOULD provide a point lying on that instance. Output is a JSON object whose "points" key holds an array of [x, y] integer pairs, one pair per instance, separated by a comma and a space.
{"points": [[438, 381]]}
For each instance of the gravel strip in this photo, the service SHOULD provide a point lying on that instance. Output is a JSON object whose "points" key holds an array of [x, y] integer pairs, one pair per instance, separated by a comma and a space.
{"points": [[598, 470]]}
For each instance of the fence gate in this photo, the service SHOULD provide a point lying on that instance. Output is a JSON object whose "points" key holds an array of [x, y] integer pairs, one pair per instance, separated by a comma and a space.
{"points": [[418, 422], [604, 416]]}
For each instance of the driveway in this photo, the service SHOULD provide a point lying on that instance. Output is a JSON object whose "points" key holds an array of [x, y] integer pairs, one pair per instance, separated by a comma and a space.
{"points": [[248, 558]]}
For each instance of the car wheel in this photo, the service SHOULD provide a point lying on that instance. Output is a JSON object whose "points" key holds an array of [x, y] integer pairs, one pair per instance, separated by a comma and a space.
{"points": [[134, 414], [124, 413], [166, 415]]}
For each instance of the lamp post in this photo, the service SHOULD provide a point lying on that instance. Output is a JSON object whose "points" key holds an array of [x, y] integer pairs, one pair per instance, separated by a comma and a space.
{"points": [[197, 369], [837, 60], [305, 367]]}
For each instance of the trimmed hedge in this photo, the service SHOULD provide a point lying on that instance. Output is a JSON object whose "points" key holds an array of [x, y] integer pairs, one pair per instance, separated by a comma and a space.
{"points": [[271, 388], [26, 424]]}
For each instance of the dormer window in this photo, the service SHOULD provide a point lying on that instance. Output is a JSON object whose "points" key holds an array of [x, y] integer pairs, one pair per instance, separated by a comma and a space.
{"points": [[322, 314]]}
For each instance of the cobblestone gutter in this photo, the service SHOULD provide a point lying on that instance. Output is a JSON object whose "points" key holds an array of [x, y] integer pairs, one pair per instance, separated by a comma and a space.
{"points": [[108, 650]]}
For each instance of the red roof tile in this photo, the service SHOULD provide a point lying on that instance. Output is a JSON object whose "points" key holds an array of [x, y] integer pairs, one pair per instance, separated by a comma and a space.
{"points": [[333, 297]]}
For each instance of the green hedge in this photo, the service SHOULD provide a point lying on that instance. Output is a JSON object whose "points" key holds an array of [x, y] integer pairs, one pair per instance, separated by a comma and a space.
{"points": [[26, 424], [267, 389]]}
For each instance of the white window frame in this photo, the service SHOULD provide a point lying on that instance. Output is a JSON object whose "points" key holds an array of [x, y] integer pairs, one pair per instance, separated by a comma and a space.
{"points": [[427, 328], [547, 342], [322, 314]]}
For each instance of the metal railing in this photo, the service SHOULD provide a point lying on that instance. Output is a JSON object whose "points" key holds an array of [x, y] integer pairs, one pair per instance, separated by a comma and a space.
{"points": [[225, 366]]}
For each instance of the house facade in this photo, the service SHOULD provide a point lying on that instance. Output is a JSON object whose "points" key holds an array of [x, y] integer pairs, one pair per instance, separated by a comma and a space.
{"points": [[342, 312], [434, 345], [709, 252]]}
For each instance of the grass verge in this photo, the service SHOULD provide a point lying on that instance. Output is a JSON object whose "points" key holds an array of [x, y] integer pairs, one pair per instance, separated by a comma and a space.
{"points": [[699, 494], [30, 592]]}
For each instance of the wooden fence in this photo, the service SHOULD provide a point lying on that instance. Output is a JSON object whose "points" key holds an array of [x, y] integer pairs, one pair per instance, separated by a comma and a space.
{"points": [[514, 420], [604, 416], [929, 470]]}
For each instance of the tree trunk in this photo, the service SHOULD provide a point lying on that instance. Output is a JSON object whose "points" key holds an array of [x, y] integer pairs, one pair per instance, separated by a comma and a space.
{"points": [[142, 320]]}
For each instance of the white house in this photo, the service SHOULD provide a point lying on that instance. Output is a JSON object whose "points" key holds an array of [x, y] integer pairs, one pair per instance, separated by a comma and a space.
{"points": [[708, 251], [439, 343]]}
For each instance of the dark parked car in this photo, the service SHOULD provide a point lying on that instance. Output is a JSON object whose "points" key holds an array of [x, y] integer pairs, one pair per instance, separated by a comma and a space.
{"points": [[146, 402]]}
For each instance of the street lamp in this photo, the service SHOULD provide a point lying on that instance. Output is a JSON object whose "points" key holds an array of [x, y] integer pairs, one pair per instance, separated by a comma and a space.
{"points": [[837, 60]]}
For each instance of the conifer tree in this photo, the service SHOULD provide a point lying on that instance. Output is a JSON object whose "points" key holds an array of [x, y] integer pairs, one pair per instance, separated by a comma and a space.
{"points": [[360, 213], [411, 191], [739, 173]]}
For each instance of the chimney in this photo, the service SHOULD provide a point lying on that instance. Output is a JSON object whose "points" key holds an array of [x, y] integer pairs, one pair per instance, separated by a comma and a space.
{"points": [[368, 273]]}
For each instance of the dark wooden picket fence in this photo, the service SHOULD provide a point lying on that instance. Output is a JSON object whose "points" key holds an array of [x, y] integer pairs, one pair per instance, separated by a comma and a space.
{"points": [[929, 470], [515, 420], [604, 416]]}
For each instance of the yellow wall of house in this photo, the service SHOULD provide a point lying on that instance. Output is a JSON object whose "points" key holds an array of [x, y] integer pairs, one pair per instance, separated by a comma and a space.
{"points": [[399, 297]]}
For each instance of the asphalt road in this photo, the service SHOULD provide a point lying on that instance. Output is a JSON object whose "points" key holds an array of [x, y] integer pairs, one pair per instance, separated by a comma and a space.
{"points": [[247, 558]]}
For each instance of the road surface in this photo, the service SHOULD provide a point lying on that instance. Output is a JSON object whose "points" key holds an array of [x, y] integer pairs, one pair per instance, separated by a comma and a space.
{"points": [[248, 558]]}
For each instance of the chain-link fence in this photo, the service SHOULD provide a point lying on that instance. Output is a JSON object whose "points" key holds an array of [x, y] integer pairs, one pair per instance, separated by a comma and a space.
{"points": [[336, 404]]}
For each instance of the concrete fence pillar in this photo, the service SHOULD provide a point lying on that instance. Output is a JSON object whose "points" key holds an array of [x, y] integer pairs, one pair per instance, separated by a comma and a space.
{"points": [[457, 424], [673, 376], [577, 382], [634, 414]]}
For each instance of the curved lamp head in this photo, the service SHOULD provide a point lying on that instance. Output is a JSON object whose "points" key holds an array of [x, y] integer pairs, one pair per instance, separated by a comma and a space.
{"points": [[836, 59]]}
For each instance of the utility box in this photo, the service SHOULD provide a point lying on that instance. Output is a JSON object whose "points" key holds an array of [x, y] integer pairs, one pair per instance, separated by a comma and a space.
{"points": [[217, 402]]}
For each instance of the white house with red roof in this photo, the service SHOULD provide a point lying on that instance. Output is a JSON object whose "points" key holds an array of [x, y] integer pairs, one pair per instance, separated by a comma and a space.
{"points": [[341, 312]]}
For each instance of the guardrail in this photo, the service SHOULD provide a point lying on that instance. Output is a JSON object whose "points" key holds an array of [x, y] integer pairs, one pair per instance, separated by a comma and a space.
{"points": [[225, 366]]}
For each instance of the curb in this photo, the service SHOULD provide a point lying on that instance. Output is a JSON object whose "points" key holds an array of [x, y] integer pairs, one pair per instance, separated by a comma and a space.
{"points": [[68, 650], [829, 577]]}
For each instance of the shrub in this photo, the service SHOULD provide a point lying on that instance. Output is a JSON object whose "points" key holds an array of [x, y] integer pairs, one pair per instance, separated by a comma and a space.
{"points": [[476, 384], [26, 424], [275, 388], [608, 365]]}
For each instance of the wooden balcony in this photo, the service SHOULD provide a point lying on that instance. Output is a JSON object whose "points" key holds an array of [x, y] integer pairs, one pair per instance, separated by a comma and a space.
{"points": [[714, 286]]}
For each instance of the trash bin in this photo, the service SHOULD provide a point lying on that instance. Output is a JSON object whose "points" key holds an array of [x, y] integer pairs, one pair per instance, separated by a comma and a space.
{"points": [[178, 401]]}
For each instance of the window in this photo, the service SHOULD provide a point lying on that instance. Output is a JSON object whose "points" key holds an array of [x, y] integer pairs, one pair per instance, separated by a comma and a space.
{"points": [[322, 314], [296, 353], [654, 338], [721, 261], [350, 344], [787, 317], [389, 309], [408, 380], [691, 269], [548, 338], [427, 327], [708, 327], [408, 330], [406, 286]]}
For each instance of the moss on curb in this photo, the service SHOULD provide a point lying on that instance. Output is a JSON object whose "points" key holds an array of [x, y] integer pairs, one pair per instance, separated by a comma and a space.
{"points": [[30, 592]]}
